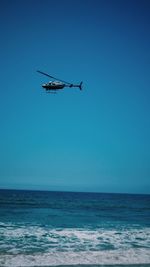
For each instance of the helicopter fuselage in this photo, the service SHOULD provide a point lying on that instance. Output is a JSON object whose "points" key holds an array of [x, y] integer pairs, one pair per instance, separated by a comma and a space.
{"points": [[53, 85]]}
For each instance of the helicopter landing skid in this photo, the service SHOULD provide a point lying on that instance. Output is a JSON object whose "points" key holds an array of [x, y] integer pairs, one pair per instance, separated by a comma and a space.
{"points": [[51, 92]]}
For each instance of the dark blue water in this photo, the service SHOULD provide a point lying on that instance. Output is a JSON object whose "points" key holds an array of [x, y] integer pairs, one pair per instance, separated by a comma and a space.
{"points": [[63, 228]]}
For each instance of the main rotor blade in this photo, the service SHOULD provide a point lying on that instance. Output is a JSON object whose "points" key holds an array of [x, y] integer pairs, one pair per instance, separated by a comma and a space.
{"points": [[44, 73], [52, 77]]}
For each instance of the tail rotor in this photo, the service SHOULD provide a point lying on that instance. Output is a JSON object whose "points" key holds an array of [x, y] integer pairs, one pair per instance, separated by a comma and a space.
{"points": [[81, 85]]}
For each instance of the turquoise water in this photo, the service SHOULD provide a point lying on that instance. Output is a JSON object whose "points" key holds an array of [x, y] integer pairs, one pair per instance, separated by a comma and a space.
{"points": [[61, 228]]}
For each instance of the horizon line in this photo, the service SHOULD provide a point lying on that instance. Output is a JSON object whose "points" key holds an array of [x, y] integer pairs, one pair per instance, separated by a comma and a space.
{"points": [[71, 191]]}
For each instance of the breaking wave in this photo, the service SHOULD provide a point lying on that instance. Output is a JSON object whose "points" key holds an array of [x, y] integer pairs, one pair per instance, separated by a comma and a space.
{"points": [[22, 245]]}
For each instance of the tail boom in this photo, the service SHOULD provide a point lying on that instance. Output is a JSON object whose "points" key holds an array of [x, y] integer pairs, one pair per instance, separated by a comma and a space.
{"points": [[77, 85]]}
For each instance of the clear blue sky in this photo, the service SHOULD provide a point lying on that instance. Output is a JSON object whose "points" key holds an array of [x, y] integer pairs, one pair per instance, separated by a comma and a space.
{"points": [[94, 140]]}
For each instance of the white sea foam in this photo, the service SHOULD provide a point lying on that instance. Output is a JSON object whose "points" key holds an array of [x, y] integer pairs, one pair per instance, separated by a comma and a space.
{"points": [[22, 246], [130, 256], [27, 238]]}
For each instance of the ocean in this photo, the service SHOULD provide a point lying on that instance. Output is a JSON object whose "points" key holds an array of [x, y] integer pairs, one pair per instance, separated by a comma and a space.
{"points": [[41, 228]]}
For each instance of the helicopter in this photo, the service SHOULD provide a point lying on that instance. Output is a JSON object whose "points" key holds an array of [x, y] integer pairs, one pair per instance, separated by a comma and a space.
{"points": [[57, 84]]}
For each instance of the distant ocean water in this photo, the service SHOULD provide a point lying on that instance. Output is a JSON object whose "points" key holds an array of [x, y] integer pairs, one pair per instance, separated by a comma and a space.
{"points": [[63, 228]]}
